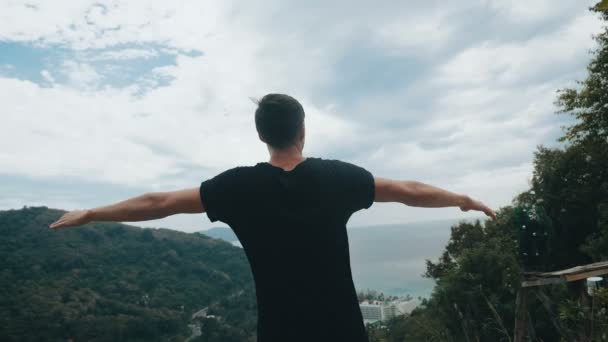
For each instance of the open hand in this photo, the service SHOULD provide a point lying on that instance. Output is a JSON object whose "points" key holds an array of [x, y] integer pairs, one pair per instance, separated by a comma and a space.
{"points": [[472, 204], [73, 218]]}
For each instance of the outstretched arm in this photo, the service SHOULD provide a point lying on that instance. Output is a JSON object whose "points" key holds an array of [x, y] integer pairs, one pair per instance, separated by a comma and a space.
{"points": [[149, 206], [418, 194]]}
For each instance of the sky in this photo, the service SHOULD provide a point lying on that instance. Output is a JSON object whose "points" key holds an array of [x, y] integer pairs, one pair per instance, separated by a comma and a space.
{"points": [[106, 100]]}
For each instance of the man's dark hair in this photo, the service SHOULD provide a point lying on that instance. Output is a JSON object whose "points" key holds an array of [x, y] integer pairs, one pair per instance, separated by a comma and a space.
{"points": [[278, 119]]}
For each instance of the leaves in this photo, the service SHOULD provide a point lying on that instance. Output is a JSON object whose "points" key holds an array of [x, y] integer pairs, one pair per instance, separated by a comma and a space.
{"points": [[111, 282]]}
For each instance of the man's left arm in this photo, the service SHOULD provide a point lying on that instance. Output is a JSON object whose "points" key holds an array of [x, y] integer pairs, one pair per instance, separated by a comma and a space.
{"points": [[148, 206]]}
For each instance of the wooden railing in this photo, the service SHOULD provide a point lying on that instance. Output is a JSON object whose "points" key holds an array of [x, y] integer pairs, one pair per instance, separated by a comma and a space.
{"points": [[535, 279]]}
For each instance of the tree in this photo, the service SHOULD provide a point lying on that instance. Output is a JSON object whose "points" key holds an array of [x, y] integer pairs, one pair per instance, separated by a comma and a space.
{"points": [[589, 142], [589, 103]]}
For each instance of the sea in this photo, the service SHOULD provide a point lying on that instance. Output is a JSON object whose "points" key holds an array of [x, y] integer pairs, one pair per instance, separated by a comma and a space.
{"points": [[391, 258]]}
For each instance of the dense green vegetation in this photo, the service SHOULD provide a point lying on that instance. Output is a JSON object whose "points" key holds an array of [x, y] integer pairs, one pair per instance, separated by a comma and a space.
{"points": [[111, 282], [563, 217]]}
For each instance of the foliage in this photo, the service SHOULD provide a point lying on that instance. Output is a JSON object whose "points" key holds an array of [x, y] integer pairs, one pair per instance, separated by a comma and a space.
{"points": [[111, 282], [373, 295], [572, 315], [589, 103]]}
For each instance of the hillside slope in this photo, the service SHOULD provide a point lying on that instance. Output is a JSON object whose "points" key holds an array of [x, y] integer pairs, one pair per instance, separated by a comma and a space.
{"points": [[110, 282]]}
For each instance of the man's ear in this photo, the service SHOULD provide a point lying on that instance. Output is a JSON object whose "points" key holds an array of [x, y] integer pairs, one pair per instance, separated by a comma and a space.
{"points": [[261, 139]]}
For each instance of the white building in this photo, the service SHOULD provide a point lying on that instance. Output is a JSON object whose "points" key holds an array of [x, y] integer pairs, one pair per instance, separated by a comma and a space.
{"points": [[380, 311], [371, 312]]}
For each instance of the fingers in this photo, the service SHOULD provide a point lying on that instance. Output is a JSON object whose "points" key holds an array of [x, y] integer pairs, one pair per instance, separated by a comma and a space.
{"points": [[57, 224], [479, 206], [490, 213], [486, 210], [73, 218], [63, 221]]}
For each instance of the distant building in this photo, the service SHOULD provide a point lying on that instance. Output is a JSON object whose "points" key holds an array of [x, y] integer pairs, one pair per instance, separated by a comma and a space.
{"points": [[373, 311], [389, 311]]}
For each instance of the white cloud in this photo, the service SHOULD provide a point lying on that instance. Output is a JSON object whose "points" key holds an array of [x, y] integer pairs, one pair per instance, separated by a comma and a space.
{"points": [[47, 76], [415, 33], [91, 24], [126, 54], [465, 124], [531, 10], [80, 75], [495, 62]]}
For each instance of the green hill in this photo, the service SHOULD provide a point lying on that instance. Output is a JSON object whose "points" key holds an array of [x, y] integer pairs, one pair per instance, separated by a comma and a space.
{"points": [[111, 282], [223, 233]]}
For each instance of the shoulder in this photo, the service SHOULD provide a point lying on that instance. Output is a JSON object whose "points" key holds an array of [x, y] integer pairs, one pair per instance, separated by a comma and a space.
{"points": [[343, 166], [231, 176], [237, 170], [353, 184], [343, 174]]}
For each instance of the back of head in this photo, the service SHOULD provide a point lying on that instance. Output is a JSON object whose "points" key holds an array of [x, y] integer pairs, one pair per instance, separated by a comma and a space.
{"points": [[278, 120]]}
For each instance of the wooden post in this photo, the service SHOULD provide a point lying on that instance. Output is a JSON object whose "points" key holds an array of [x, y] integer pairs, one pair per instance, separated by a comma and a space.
{"points": [[585, 329], [521, 312]]}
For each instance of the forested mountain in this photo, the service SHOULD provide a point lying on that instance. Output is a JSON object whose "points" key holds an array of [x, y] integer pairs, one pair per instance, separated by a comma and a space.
{"points": [[111, 282]]}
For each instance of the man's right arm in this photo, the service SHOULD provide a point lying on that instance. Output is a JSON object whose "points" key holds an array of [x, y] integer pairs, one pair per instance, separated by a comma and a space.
{"points": [[417, 194]]}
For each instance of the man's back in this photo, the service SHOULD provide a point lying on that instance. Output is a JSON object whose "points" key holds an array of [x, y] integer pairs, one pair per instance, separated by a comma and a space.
{"points": [[292, 225]]}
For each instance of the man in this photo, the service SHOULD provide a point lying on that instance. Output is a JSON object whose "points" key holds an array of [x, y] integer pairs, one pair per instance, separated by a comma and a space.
{"points": [[290, 216]]}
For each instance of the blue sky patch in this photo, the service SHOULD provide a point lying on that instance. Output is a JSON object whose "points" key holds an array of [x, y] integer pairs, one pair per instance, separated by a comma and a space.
{"points": [[118, 67]]}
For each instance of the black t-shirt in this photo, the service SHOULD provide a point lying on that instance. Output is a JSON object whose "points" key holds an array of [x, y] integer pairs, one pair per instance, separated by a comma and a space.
{"points": [[292, 226]]}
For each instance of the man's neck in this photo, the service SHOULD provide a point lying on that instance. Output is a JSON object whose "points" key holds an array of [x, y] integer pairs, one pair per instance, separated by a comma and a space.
{"points": [[286, 158]]}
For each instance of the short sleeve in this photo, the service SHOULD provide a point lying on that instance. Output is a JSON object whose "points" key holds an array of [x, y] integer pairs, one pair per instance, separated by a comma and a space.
{"points": [[357, 186], [220, 195]]}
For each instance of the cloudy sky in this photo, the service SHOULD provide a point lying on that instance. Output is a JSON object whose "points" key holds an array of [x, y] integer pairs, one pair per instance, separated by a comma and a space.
{"points": [[104, 100]]}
